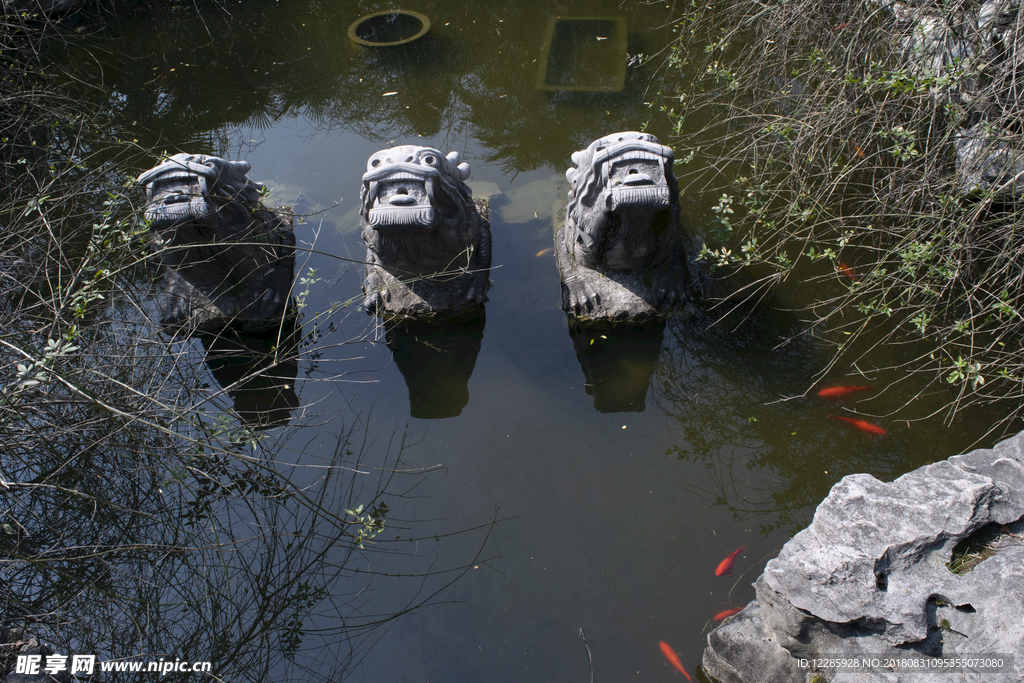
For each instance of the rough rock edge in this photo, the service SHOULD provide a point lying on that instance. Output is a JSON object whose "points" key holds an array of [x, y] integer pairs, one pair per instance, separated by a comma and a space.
{"points": [[988, 160], [842, 586]]}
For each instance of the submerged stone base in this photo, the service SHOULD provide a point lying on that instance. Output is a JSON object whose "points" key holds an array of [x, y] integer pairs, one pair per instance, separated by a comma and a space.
{"points": [[438, 294], [869, 578], [621, 296]]}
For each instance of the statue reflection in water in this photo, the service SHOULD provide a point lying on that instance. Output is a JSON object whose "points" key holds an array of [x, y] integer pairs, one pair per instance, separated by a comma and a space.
{"points": [[437, 357], [617, 360], [258, 372]]}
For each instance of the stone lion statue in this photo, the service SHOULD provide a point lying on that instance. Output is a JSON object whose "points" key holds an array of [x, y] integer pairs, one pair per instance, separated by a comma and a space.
{"points": [[229, 259], [620, 253], [428, 244]]}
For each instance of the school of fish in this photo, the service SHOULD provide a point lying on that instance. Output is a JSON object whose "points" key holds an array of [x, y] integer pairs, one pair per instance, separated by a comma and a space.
{"points": [[724, 567], [846, 390]]}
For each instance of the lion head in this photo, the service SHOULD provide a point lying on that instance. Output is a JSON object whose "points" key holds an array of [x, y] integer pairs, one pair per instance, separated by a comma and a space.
{"points": [[624, 203], [416, 211], [229, 258], [186, 187]]}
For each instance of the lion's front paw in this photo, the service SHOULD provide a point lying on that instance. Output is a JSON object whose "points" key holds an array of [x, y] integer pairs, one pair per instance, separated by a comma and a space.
{"points": [[376, 293], [585, 298], [672, 286]]}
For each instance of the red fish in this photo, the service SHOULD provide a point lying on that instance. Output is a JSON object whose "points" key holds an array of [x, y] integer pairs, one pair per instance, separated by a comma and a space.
{"points": [[673, 659], [860, 152], [860, 424], [839, 392], [726, 613], [725, 566], [848, 272]]}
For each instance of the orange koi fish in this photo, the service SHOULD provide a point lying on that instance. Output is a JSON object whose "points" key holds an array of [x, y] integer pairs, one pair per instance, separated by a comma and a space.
{"points": [[543, 252], [860, 152], [673, 659], [726, 613], [860, 424], [848, 272], [725, 566], [839, 392]]}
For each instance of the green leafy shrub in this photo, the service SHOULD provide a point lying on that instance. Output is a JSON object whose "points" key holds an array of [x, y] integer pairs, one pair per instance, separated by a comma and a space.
{"points": [[833, 144]]}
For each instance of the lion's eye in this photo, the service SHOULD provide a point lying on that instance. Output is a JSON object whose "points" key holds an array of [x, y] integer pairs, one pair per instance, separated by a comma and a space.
{"points": [[430, 160]]}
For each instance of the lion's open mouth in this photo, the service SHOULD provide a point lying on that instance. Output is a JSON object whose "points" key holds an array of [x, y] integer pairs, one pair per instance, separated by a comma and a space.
{"points": [[653, 197], [400, 200], [176, 198], [637, 179]]}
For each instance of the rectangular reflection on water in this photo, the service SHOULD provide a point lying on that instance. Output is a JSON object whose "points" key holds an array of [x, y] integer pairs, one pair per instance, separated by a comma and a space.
{"points": [[583, 53]]}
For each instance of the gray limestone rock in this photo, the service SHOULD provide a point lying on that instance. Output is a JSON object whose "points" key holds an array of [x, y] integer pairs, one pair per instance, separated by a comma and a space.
{"points": [[744, 640], [953, 46], [986, 163], [869, 578], [428, 244], [938, 42], [230, 260], [620, 253]]}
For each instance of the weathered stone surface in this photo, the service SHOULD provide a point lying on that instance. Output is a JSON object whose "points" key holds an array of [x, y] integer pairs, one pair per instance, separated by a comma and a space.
{"points": [[952, 46], [620, 253], [743, 639], [987, 164], [869, 577], [230, 261], [428, 244], [937, 43]]}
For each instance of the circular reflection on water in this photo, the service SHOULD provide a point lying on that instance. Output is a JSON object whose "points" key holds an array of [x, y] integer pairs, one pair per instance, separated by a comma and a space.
{"points": [[392, 27]]}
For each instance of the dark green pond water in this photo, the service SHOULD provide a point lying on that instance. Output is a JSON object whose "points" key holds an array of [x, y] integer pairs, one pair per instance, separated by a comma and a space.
{"points": [[614, 502]]}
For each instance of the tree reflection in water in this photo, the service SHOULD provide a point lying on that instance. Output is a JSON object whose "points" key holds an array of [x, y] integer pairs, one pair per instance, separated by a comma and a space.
{"points": [[722, 381], [138, 526], [142, 521]]}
